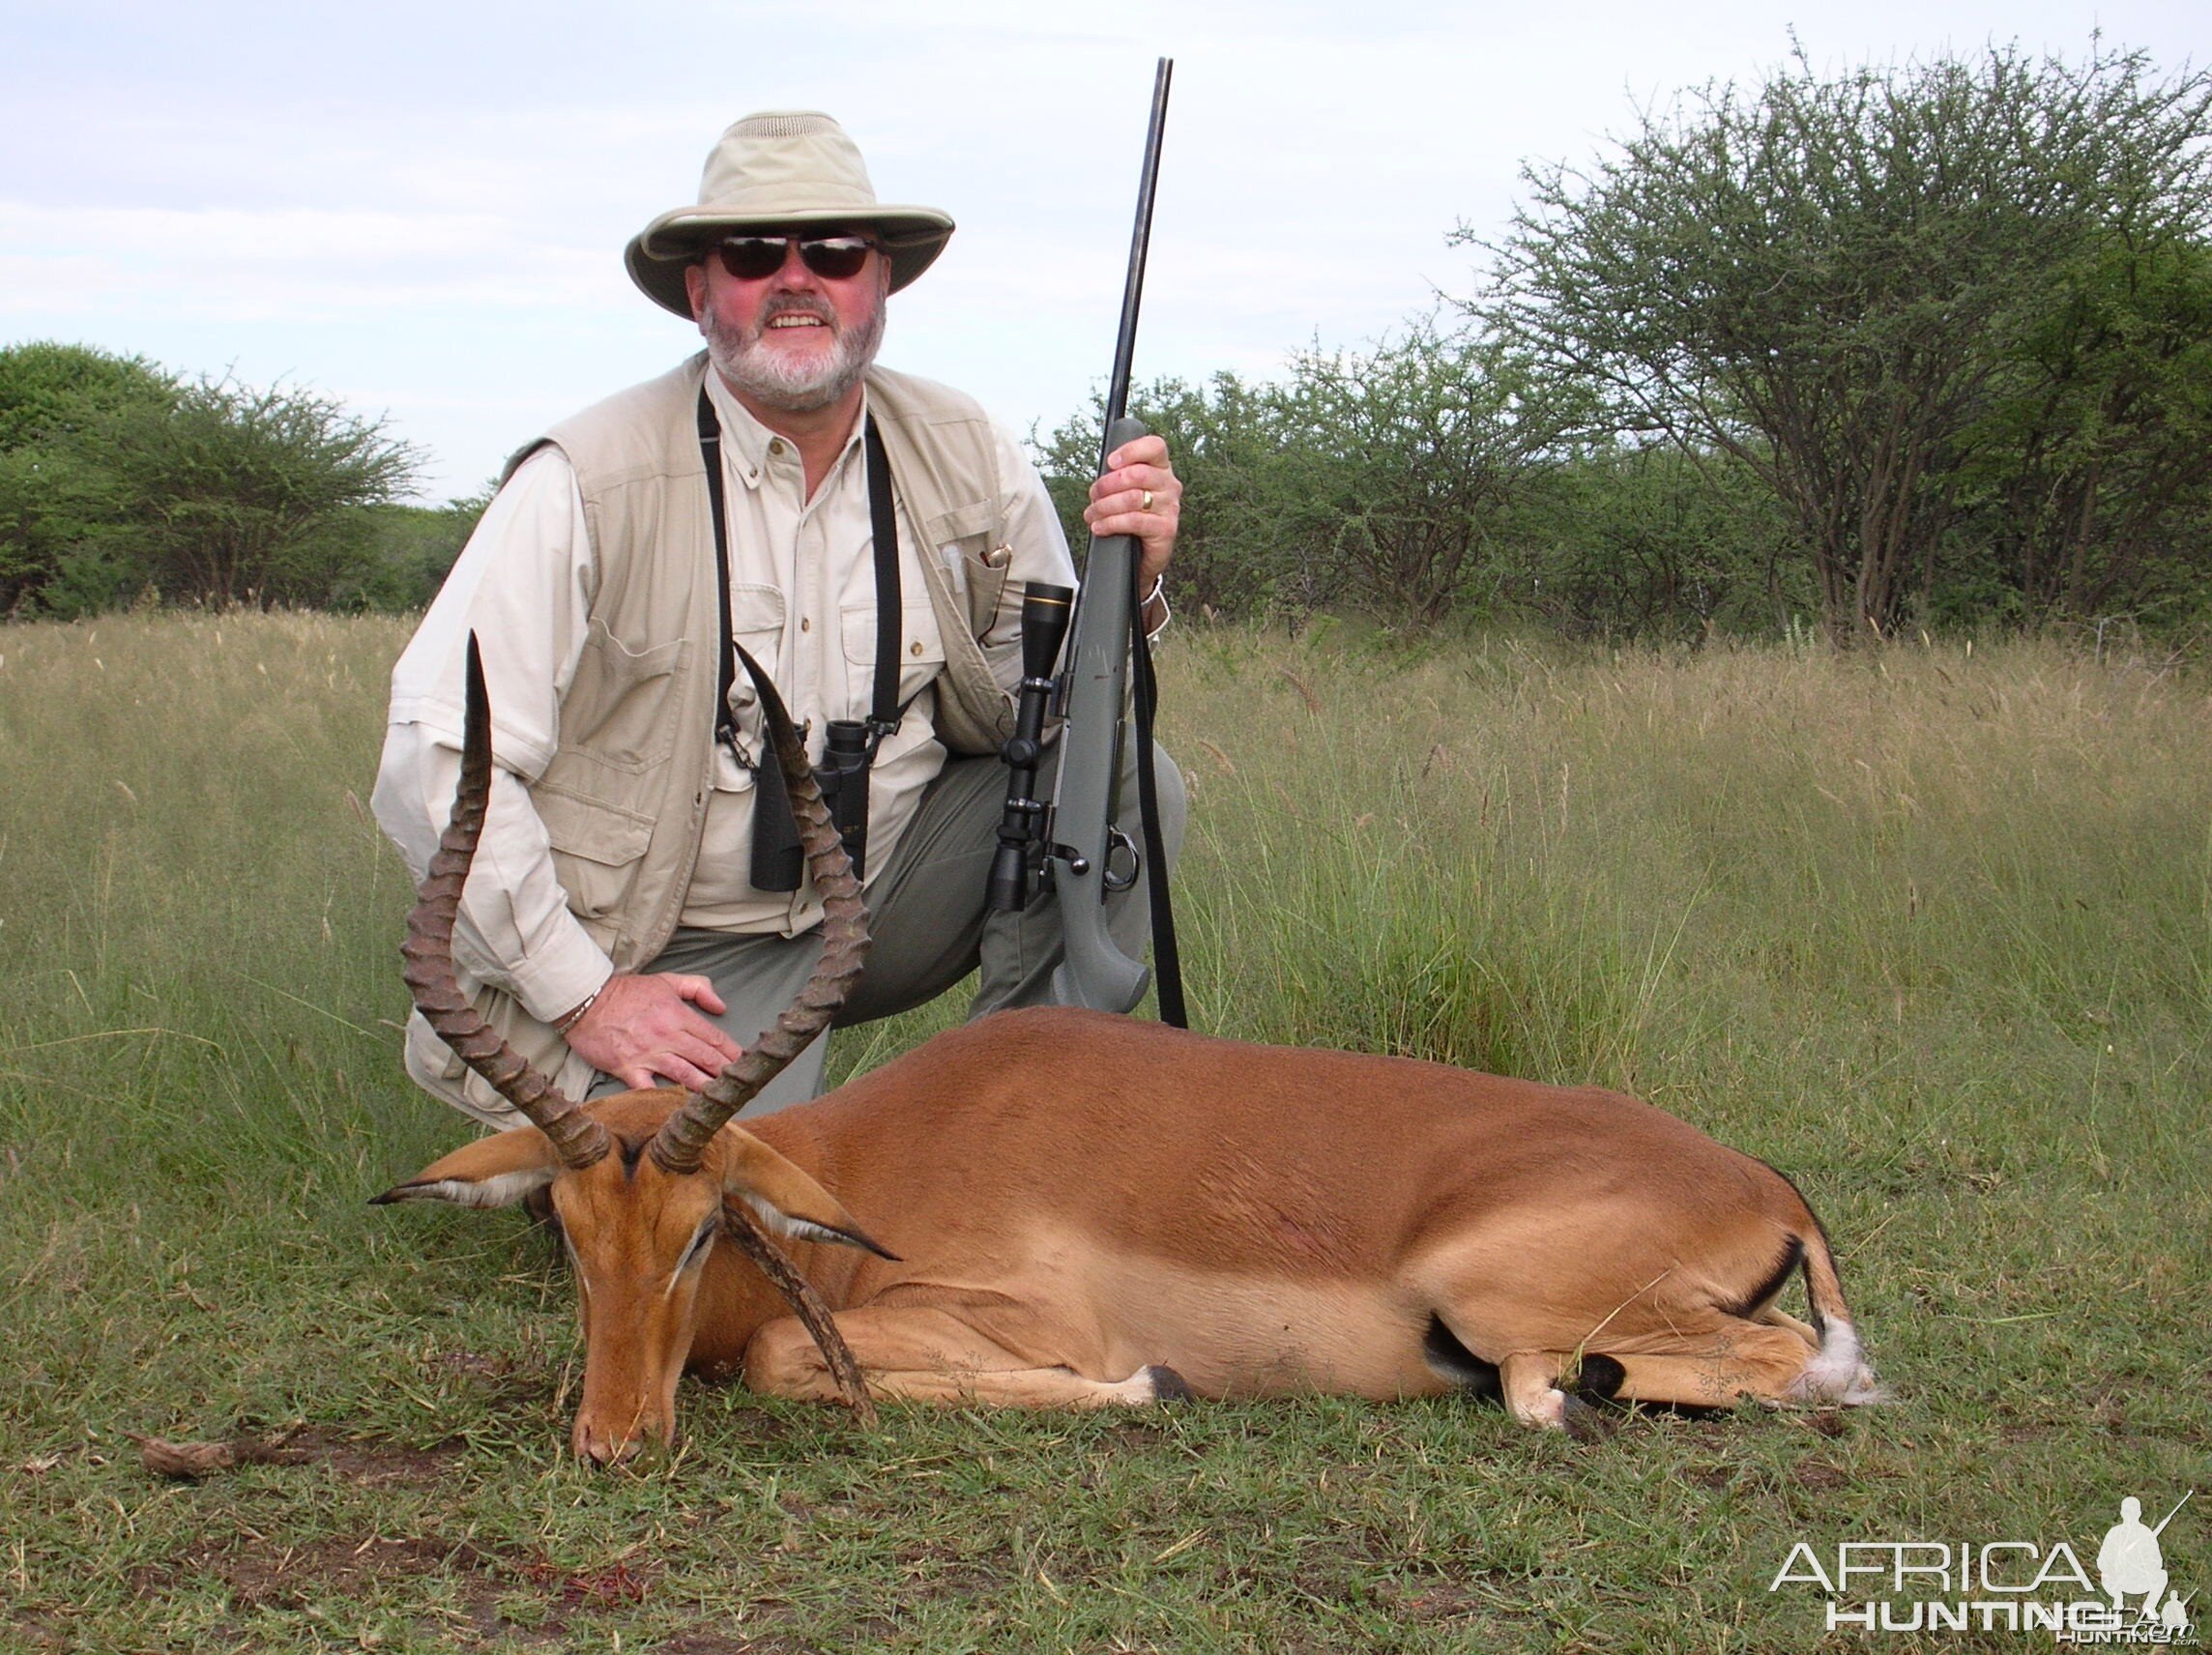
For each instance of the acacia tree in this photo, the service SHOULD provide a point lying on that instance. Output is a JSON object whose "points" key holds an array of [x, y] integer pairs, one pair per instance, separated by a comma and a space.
{"points": [[2091, 477], [253, 497], [1648, 542], [117, 481], [1824, 278], [1384, 478], [1417, 455], [60, 501], [1235, 554]]}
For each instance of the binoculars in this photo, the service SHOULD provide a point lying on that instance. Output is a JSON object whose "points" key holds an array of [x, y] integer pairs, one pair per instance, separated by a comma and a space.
{"points": [[778, 861], [846, 751]]}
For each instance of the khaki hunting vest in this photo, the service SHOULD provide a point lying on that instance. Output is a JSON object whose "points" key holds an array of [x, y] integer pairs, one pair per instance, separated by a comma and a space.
{"points": [[626, 793]]}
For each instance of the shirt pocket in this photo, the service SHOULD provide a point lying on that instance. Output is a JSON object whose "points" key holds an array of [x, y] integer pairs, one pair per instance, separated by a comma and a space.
{"points": [[920, 649], [617, 710], [756, 626]]}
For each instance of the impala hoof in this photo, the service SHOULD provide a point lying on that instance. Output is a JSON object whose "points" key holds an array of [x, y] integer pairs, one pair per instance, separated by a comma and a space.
{"points": [[1584, 1423], [1168, 1385]]}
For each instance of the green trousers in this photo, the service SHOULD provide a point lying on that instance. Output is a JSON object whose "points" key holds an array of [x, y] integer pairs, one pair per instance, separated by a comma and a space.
{"points": [[928, 924]]}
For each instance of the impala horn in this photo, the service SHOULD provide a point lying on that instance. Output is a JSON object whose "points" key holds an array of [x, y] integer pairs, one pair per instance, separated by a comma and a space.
{"points": [[683, 1137], [576, 1138], [428, 950]]}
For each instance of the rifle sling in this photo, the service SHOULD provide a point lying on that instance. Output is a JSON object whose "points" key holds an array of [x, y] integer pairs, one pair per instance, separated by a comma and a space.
{"points": [[1167, 958]]}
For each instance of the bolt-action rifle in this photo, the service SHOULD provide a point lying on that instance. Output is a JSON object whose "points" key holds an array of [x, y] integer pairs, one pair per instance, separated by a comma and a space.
{"points": [[1079, 839]]}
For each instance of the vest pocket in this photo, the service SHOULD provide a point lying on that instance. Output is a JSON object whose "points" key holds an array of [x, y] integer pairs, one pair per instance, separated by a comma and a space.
{"points": [[597, 848], [617, 710], [975, 562]]}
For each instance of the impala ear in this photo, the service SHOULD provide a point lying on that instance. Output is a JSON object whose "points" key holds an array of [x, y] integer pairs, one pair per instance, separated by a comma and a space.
{"points": [[498, 1171], [788, 1202]]}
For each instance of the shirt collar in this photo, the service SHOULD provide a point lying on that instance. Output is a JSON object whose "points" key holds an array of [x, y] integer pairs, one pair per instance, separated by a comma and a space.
{"points": [[745, 440]]}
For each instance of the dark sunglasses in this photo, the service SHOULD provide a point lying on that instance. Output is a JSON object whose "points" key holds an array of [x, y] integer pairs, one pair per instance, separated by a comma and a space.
{"points": [[756, 258]]}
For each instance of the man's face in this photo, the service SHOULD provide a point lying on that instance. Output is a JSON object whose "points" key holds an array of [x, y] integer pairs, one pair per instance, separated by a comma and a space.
{"points": [[794, 341]]}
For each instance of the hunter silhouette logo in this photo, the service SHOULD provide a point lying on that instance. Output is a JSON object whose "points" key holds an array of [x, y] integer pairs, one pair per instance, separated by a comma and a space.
{"points": [[2131, 1562], [2007, 1586]]}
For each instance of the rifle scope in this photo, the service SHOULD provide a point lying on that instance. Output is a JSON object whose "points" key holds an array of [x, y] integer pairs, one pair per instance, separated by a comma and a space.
{"points": [[1045, 612]]}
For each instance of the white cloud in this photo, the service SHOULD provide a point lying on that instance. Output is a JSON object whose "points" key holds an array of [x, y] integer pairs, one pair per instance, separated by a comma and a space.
{"points": [[284, 264]]}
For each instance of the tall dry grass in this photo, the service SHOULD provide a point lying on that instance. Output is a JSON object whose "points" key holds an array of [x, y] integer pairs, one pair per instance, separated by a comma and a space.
{"points": [[1626, 866]]}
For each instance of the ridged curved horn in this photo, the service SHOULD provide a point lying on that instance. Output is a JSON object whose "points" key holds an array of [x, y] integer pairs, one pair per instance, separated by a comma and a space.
{"points": [[428, 950], [805, 1303], [683, 1137]]}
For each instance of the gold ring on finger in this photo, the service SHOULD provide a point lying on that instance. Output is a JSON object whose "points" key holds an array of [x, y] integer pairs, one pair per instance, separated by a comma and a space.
{"points": [[1148, 505]]}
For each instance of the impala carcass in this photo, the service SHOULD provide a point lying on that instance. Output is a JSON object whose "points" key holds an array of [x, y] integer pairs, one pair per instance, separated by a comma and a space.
{"points": [[1060, 1208]]}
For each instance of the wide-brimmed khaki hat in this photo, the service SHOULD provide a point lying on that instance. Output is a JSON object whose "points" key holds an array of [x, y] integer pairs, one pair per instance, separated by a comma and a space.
{"points": [[782, 168]]}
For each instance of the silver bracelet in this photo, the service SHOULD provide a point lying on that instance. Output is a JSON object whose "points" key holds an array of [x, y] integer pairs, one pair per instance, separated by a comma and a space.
{"points": [[1159, 592], [564, 1023]]}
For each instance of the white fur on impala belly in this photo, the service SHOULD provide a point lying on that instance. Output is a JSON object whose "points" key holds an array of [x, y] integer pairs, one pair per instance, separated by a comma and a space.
{"points": [[1250, 1336]]}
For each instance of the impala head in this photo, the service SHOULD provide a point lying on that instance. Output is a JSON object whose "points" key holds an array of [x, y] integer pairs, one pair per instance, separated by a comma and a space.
{"points": [[638, 1238], [646, 1183]]}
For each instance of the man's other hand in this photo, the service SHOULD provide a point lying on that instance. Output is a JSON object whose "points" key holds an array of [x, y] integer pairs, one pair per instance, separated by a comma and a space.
{"points": [[1139, 494], [643, 1031]]}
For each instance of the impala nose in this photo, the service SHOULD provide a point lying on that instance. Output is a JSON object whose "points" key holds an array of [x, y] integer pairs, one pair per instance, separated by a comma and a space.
{"points": [[602, 1446]]}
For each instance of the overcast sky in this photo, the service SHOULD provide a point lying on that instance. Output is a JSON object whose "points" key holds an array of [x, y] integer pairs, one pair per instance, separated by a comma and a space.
{"points": [[420, 208]]}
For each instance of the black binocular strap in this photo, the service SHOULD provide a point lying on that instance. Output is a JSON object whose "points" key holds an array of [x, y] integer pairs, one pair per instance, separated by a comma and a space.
{"points": [[891, 621], [710, 457], [778, 861]]}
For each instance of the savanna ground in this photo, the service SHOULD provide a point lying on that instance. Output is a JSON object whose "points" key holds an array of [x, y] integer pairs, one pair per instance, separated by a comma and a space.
{"points": [[1927, 928]]}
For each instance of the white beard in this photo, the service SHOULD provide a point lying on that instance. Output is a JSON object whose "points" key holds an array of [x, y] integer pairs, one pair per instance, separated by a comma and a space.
{"points": [[777, 380]]}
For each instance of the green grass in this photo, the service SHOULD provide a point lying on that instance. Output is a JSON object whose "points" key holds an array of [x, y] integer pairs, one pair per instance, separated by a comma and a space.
{"points": [[1928, 929]]}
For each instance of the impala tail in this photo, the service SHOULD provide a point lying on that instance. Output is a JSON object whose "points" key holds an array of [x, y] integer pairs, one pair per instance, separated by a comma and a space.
{"points": [[1839, 1372]]}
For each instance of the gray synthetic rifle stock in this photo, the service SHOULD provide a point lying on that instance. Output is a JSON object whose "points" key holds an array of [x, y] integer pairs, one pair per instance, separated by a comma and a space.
{"points": [[1092, 855]]}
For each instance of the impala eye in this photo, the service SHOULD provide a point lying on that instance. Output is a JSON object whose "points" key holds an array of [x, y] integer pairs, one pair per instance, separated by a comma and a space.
{"points": [[699, 1244]]}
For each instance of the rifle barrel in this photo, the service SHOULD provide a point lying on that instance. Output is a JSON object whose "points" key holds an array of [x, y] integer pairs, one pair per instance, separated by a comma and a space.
{"points": [[1133, 288], [2170, 1516]]}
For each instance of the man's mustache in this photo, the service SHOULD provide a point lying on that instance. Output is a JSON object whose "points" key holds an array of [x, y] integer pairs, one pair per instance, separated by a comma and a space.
{"points": [[797, 305]]}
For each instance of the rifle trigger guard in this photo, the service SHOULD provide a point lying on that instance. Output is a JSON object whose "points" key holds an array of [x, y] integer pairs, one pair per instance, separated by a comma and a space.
{"points": [[1123, 862]]}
